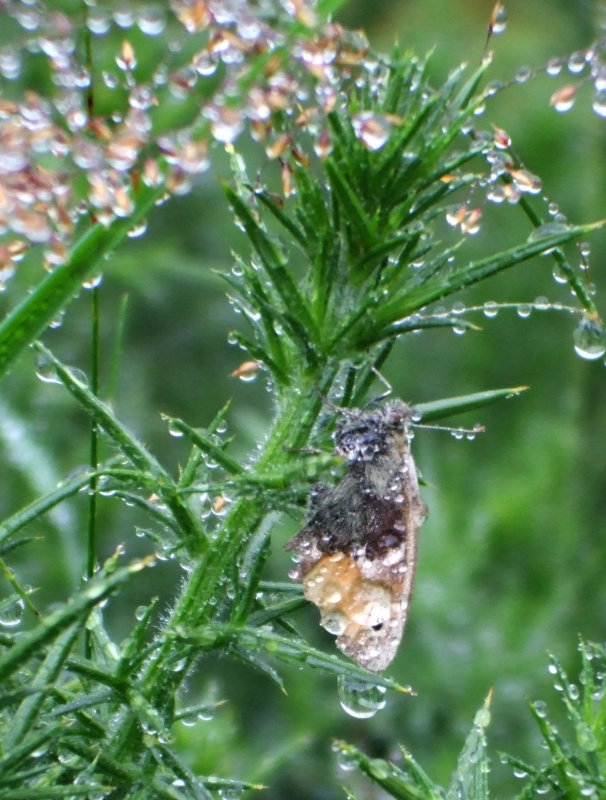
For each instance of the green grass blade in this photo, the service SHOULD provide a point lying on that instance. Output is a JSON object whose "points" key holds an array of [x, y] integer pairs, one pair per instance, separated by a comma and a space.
{"points": [[415, 323], [104, 416], [288, 649], [129, 445], [283, 218], [74, 611], [403, 785], [470, 780], [32, 706], [32, 316], [410, 301], [438, 409], [204, 441], [24, 516], [275, 266], [45, 792], [361, 226]]}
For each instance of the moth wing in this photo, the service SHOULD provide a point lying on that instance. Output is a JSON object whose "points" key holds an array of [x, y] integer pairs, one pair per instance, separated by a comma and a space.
{"points": [[378, 608], [374, 644]]}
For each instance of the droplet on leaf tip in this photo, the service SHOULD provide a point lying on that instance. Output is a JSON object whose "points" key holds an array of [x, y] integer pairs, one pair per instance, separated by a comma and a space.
{"points": [[590, 338]]}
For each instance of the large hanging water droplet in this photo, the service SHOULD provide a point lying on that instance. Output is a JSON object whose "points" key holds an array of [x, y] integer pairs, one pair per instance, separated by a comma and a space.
{"points": [[498, 21], [590, 338], [11, 614], [359, 698]]}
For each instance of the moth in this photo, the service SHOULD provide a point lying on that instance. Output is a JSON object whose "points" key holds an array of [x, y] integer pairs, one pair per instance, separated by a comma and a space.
{"points": [[357, 554]]}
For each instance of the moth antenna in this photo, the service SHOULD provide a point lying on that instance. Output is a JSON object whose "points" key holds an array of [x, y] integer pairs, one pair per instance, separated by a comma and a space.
{"points": [[385, 382], [347, 412]]}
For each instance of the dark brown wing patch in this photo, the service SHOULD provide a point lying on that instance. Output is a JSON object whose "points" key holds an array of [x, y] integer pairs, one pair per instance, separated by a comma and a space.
{"points": [[357, 554]]}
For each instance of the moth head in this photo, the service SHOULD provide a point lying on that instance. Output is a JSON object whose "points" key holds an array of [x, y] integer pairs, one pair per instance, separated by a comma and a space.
{"points": [[363, 435]]}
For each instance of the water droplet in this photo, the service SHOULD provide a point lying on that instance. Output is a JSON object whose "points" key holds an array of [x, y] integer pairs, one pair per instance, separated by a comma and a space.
{"points": [[138, 229], [380, 769], [496, 193], [491, 308], [563, 99], [151, 20], [10, 64], [10, 615], [590, 338], [540, 708], [560, 273], [524, 310], [360, 699], [140, 612], [548, 229], [204, 64], [523, 75], [124, 16], [585, 737], [174, 430], [554, 66], [57, 322], [599, 102], [206, 713], [576, 63], [346, 760], [46, 371], [230, 793], [372, 129], [93, 281], [498, 22], [98, 22], [525, 181]]}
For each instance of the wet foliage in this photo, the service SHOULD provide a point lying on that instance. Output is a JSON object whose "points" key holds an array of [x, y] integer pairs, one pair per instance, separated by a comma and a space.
{"points": [[360, 185]]}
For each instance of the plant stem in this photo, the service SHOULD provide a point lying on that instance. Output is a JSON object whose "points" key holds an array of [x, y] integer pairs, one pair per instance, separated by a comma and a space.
{"points": [[91, 560], [204, 592]]}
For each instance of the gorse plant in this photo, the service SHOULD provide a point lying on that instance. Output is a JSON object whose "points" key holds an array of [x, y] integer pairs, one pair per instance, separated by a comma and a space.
{"points": [[373, 181], [577, 768]]}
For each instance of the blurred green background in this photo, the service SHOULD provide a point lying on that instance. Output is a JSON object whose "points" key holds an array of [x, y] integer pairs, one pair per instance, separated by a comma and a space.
{"points": [[512, 557]]}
